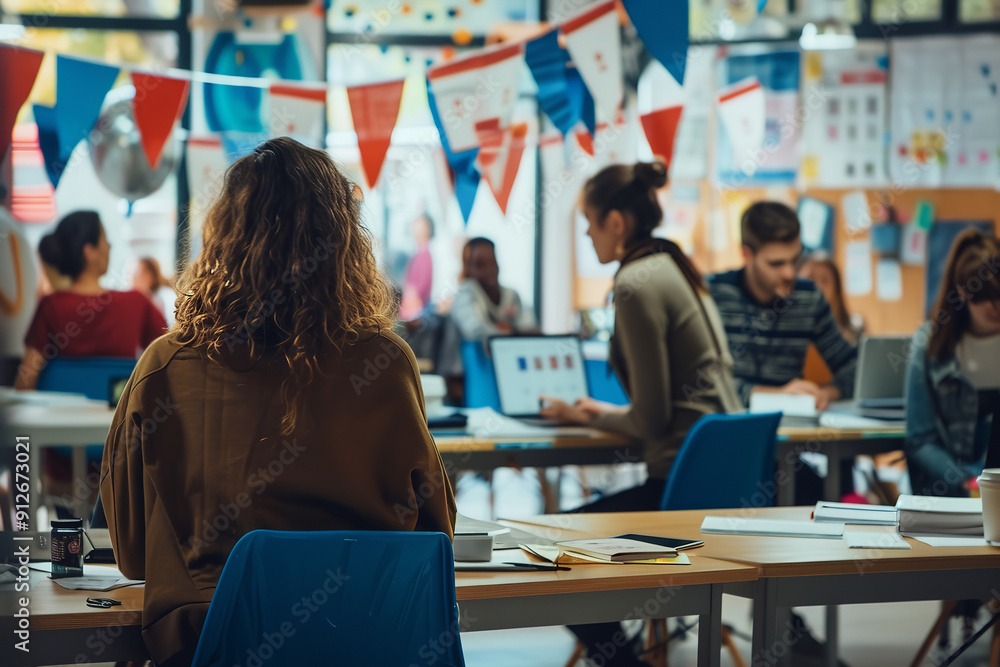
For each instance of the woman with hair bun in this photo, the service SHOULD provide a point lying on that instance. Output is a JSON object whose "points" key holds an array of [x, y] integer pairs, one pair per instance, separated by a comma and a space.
{"points": [[84, 320], [669, 349]]}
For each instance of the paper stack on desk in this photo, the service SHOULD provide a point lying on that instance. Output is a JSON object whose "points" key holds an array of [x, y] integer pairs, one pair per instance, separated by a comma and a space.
{"points": [[856, 513], [932, 515]]}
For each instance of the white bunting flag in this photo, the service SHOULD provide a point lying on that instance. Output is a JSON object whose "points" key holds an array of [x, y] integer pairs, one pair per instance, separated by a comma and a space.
{"points": [[206, 166], [743, 114], [297, 111], [478, 90], [594, 43]]}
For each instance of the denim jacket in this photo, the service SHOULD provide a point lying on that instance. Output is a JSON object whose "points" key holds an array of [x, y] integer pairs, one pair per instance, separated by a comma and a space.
{"points": [[942, 411]]}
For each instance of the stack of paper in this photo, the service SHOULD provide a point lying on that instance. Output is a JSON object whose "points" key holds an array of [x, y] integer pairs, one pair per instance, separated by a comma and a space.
{"points": [[562, 554], [856, 513], [735, 525], [931, 515]]}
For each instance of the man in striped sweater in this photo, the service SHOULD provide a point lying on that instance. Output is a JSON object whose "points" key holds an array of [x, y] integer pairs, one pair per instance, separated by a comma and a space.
{"points": [[771, 316]]}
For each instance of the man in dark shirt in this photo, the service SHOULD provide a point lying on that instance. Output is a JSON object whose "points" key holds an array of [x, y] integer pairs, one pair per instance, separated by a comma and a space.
{"points": [[771, 316]]}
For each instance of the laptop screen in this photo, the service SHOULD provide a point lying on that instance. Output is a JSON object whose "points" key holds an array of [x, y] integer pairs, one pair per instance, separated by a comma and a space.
{"points": [[528, 367]]}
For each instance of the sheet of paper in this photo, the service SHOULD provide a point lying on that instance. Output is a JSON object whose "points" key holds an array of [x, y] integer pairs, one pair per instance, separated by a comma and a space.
{"points": [[889, 280], [93, 583], [913, 249], [857, 539], [776, 527], [859, 268], [791, 405], [949, 541], [857, 215], [814, 217]]}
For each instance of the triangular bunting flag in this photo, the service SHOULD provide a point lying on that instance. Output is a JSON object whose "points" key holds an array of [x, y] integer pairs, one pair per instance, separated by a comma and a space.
{"points": [[206, 167], [548, 64], [661, 127], [466, 178], [374, 109], [81, 87], [666, 40], [19, 67], [581, 99], [743, 113], [298, 111], [503, 172], [586, 141], [48, 142], [158, 103], [593, 40]]}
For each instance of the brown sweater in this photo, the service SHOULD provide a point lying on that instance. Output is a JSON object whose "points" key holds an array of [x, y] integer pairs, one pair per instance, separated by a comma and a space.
{"points": [[195, 459], [664, 354]]}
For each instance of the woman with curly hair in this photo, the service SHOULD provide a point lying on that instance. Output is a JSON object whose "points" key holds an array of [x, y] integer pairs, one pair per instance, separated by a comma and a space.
{"points": [[281, 399]]}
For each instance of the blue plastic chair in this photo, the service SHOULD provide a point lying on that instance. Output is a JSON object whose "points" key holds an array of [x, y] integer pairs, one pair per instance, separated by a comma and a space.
{"points": [[480, 380], [329, 598], [603, 383], [726, 461], [86, 375]]}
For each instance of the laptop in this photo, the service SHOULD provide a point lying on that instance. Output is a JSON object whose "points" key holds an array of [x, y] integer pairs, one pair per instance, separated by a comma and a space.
{"points": [[880, 382], [527, 367]]}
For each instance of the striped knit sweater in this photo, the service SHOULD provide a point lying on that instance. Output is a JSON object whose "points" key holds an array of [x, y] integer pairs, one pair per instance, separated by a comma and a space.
{"points": [[769, 343]]}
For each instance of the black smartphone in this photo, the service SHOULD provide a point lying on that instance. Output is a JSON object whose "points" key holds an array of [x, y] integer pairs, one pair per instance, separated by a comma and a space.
{"points": [[672, 542]]}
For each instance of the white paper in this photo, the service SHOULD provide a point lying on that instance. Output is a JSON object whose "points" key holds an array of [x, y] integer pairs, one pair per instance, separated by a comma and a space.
{"points": [[960, 541], [791, 405], [743, 111], [93, 583], [857, 215], [776, 527], [858, 539], [940, 504], [813, 217], [859, 268], [913, 250], [889, 280]]}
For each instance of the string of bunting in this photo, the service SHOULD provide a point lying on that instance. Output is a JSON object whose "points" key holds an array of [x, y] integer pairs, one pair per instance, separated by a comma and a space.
{"points": [[472, 99]]}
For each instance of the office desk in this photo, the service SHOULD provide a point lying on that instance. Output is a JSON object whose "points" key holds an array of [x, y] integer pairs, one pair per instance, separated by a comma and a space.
{"points": [[65, 630], [806, 571]]}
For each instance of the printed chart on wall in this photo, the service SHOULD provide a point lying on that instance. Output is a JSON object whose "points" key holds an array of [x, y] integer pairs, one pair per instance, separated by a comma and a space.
{"points": [[776, 161], [844, 112], [946, 111]]}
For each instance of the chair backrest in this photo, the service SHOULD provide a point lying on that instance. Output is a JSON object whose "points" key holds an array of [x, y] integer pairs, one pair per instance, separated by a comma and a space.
{"points": [[480, 380], [334, 598], [725, 461], [89, 375]]}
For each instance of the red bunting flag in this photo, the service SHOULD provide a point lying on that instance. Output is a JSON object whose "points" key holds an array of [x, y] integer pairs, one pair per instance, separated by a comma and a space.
{"points": [[374, 108], [19, 67], [514, 151], [661, 128], [158, 104]]}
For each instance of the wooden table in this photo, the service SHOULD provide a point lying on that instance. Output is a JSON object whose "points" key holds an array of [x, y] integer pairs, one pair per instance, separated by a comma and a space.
{"points": [[804, 571], [64, 630]]}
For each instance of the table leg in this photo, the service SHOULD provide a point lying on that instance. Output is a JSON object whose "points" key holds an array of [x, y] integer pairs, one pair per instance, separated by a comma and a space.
{"points": [[79, 503], [831, 485], [710, 631], [765, 623], [832, 629], [786, 475]]}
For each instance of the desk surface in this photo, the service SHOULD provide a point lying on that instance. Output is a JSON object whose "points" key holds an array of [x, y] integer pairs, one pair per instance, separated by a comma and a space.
{"points": [[773, 556], [55, 608]]}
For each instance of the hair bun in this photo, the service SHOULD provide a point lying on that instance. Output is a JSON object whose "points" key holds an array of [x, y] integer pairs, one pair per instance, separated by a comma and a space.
{"points": [[651, 174]]}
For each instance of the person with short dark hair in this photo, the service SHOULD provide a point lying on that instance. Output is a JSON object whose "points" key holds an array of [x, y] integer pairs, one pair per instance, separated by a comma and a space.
{"points": [[953, 372], [771, 316], [482, 306], [85, 320]]}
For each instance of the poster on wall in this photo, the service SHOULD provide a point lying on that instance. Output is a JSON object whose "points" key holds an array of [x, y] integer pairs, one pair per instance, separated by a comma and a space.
{"points": [[945, 120], [776, 163], [844, 110]]}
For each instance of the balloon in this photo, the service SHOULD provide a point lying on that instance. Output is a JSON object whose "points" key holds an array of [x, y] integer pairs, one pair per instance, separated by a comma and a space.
{"points": [[116, 150]]}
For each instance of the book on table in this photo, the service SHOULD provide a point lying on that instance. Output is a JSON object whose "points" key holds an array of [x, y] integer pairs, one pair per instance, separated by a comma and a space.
{"points": [[855, 513], [616, 550], [933, 515]]}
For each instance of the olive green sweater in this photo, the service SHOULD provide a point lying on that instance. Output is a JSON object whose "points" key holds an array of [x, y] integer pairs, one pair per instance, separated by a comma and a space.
{"points": [[663, 352]]}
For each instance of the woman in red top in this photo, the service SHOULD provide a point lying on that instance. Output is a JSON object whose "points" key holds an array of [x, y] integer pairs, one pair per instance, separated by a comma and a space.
{"points": [[85, 320]]}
